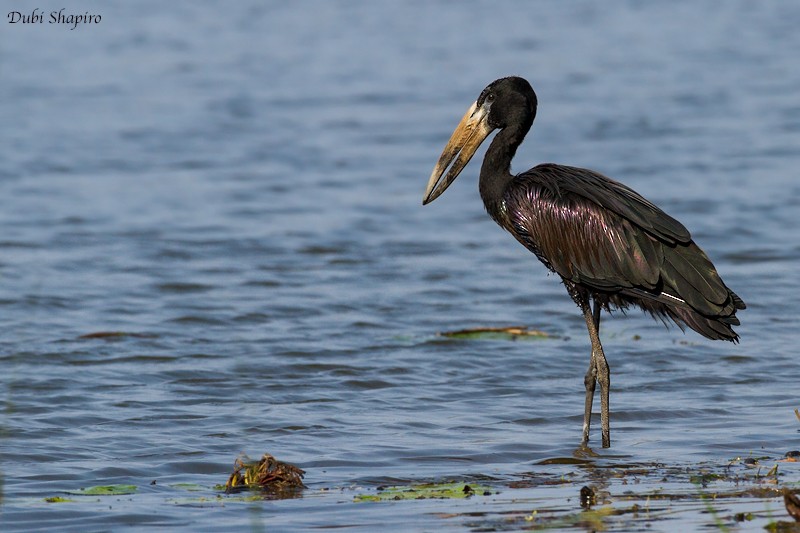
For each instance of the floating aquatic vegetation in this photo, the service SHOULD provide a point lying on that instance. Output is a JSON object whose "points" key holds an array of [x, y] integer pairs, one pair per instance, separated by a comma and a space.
{"points": [[189, 487], [105, 490], [109, 335], [553, 494], [58, 499], [792, 503], [511, 332], [268, 474], [588, 497], [423, 491]]}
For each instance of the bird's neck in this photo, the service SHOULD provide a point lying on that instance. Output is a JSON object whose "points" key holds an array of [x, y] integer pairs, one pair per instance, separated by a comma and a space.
{"points": [[496, 169]]}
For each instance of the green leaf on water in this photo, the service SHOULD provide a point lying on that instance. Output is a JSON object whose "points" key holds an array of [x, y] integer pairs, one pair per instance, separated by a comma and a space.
{"points": [[105, 490], [191, 487], [446, 491], [58, 499], [507, 333]]}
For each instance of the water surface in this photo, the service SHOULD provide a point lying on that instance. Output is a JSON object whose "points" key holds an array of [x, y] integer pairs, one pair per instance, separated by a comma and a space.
{"points": [[238, 190]]}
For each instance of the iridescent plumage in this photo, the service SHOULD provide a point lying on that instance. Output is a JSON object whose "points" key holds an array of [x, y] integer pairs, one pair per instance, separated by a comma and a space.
{"points": [[609, 244]]}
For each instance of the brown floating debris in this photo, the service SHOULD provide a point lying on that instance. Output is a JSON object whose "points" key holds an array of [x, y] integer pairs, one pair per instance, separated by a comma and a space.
{"points": [[588, 497], [520, 331], [268, 474], [114, 335], [792, 503]]}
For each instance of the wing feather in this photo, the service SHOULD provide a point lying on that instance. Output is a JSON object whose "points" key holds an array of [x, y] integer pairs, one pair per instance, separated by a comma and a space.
{"points": [[603, 236]]}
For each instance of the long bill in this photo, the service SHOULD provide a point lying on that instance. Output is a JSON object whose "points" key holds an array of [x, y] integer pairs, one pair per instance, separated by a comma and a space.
{"points": [[467, 137]]}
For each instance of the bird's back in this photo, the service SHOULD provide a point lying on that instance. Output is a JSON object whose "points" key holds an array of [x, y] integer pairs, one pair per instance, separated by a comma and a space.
{"points": [[607, 241]]}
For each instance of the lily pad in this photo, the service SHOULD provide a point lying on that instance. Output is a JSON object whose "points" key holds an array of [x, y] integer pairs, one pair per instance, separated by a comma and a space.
{"points": [[105, 490], [58, 499], [506, 333], [190, 487], [446, 491]]}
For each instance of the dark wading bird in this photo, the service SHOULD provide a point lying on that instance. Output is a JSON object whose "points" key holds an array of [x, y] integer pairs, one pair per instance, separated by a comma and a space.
{"points": [[611, 246]]}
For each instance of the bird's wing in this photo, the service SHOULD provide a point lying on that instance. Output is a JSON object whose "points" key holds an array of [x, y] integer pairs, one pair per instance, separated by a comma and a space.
{"points": [[561, 180], [594, 231]]}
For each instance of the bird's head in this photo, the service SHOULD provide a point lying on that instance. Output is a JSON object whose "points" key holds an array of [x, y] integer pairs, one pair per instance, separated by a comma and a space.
{"points": [[504, 102]]}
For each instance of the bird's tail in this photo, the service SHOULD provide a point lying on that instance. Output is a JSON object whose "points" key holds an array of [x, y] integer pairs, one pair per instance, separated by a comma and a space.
{"points": [[692, 294], [715, 328]]}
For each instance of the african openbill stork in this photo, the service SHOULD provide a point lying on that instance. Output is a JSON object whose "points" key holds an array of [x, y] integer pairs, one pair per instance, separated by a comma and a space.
{"points": [[611, 247]]}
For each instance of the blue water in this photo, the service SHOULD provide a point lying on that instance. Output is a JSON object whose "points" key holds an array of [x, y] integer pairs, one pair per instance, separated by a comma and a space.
{"points": [[238, 188]]}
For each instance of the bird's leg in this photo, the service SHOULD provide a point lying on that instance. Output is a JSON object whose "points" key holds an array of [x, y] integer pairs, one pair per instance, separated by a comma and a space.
{"points": [[596, 316], [604, 377], [589, 381], [598, 369]]}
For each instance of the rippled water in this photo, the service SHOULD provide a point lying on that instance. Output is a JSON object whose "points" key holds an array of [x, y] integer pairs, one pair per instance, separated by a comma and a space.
{"points": [[237, 189]]}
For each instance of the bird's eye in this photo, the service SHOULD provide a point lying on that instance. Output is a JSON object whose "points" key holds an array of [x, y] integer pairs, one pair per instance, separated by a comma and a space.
{"points": [[490, 97]]}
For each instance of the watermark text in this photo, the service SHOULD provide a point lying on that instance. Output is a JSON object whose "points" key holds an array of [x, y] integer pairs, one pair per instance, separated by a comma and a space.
{"points": [[62, 16]]}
